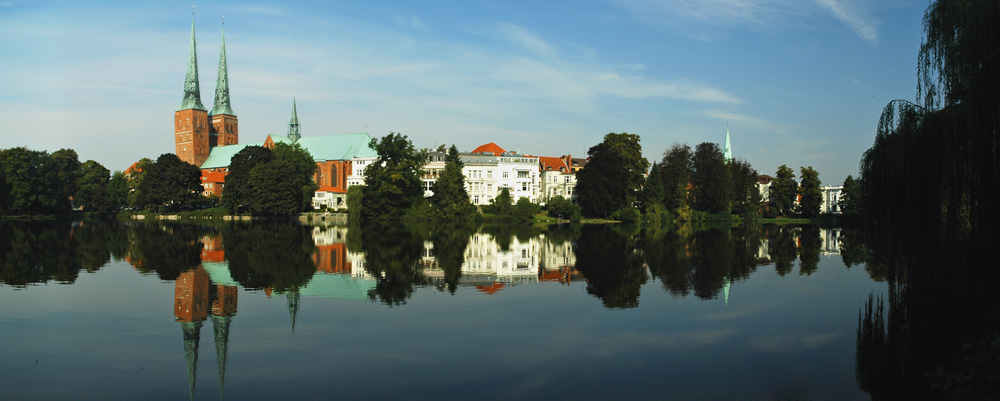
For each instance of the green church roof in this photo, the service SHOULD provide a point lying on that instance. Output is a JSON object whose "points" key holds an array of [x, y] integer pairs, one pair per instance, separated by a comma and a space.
{"points": [[322, 148]]}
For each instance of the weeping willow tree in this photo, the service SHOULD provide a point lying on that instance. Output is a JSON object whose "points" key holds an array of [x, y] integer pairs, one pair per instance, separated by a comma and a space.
{"points": [[927, 188], [933, 166]]}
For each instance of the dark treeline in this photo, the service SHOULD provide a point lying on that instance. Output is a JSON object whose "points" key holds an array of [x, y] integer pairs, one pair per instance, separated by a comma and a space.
{"points": [[927, 191]]}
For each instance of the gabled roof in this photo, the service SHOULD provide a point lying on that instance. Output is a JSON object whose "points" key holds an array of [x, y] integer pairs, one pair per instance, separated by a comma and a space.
{"points": [[552, 163], [213, 176], [322, 148], [490, 148]]}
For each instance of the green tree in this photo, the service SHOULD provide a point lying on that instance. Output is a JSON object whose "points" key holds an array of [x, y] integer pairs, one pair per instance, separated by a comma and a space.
{"points": [[33, 184], [676, 176], [117, 191], [274, 193], [450, 198], [711, 179], [92, 184], [237, 195], [170, 182], [810, 194], [392, 181], [563, 208], [302, 172], [746, 196], [849, 202], [614, 175], [135, 176], [67, 166], [501, 205], [783, 190], [652, 191]]}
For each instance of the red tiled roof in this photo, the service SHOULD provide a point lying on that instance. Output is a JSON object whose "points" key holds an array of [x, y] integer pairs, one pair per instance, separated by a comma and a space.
{"points": [[552, 163], [331, 189], [490, 148], [213, 176]]}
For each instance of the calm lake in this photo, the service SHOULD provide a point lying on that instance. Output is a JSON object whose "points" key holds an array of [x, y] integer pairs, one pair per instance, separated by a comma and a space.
{"points": [[93, 310]]}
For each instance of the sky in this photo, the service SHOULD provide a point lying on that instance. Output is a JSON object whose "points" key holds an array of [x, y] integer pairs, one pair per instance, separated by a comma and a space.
{"points": [[796, 82]]}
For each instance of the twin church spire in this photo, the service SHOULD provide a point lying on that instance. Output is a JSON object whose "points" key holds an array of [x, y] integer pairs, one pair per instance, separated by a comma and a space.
{"points": [[192, 90], [196, 130]]}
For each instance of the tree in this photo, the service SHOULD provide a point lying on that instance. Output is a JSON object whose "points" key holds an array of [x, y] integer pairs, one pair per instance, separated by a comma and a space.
{"points": [[652, 191], [303, 169], [450, 198], [92, 187], [783, 190], [169, 182], [67, 165], [392, 181], [236, 194], [614, 175], [810, 195], [274, 192], [676, 176], [849, 202], [562, 208], [710, 179], [746, 196], [33, 184], [135, 175], [118, 191]]}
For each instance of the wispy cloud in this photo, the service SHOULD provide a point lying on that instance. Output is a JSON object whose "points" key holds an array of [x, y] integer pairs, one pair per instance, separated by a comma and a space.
{"points": [[526, 39], [854, 13], [747, 121]]}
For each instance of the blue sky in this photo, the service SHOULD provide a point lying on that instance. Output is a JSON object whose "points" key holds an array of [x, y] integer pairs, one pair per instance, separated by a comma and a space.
{"points": [[798, 82]]}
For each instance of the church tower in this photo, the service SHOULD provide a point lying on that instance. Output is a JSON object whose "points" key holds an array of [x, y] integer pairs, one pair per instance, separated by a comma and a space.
{"points": [[294, 132], [191, 120], [224, 129]]}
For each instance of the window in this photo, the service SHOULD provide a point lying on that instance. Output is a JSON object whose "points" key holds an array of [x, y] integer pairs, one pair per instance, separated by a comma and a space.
{"points": [[489, 174], [504, 174], [524, 186], [522, 174]]}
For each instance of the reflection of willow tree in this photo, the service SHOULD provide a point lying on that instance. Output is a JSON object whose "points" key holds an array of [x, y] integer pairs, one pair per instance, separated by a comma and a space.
{"points": [[614, 271], [36, 252], [392, 256], [781, 248], [450, 241], [274, 254], [928, 185], [809, 249], [165, 249]]}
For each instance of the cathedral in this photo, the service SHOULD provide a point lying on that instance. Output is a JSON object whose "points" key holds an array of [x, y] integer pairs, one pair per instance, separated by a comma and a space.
{"points": [[209, 139]]}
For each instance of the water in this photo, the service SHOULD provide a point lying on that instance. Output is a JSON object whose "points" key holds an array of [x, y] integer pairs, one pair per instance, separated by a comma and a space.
{"points": [[98, 311]]}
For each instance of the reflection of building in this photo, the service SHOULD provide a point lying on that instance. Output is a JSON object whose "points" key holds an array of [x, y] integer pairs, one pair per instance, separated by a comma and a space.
{"points": [[830, 238], [490, 268]]}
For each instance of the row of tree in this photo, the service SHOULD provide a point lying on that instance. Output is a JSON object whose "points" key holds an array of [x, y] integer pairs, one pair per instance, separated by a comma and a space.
{"points": [[270, 182], [33, 181]]}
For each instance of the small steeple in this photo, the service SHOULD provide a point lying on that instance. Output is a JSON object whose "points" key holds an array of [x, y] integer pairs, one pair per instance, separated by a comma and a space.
{"points": [[221, 105], [727, 152], [294, 133], [192, 92]]}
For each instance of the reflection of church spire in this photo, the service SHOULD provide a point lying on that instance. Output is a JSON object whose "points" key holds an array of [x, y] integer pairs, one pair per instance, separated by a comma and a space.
{"points": [[223, 309], [293, 304], [725, 291], [192, 334], [220, 325]]}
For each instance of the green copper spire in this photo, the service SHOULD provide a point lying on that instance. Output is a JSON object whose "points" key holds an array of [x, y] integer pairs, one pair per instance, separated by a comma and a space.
{"points": [[220, 325], [293, 304], [221, 105], [727, 152], [294, 133], [192, 335], [192, 93]]}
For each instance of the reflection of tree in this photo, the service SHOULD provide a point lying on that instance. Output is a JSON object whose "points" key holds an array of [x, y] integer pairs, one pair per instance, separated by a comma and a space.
{"points": [[852, 247], [392, 252], [504, 233], [450, 241], [273, 254], [781, 248], [702, 261], [36, 252], [614, 271], [166, 249], [809, 249]]}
